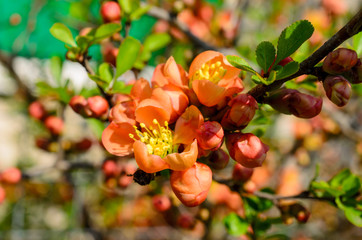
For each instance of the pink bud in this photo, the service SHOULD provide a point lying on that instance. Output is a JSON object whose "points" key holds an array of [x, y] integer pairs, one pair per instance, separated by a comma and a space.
{"points": [[110, 11], [78, 104], [161, 203], [98, 106], [192, 185], [124, 181], [338, 90], [83, 145], [210, 135], [290, 101], [339, 61], [2, 194], [241, 173], [246, 149], [219, 159], [11, 176], [110, 168], [241, 112], [37, 110], [54, 124]]}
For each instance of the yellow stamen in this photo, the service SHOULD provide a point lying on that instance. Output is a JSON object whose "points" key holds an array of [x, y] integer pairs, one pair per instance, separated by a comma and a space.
{"points": [[213, 72], [158, 141]]}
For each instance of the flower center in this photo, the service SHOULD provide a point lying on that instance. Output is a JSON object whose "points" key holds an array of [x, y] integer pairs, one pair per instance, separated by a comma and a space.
{"points": [[212, 72], [158, 141]]}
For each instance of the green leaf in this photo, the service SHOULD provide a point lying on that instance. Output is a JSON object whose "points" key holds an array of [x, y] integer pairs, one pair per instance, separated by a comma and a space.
{"points": [[288, 70], [265, 55], [352, 214], [271, 78], [347, 182], [156, 41], [127, 55], [139, 12], [292, 38], [106, 30], [62, 33], [83, 43], [240, 63], [106, 72], [96, 126], [56, 65], [235, 225], [357, 43], [98, 80], [257, 79], [128, 6], [121, 87]]}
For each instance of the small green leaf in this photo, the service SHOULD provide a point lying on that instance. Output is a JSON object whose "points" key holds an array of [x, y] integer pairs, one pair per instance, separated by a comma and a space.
{"points": [[292, 38], [96, 126], [257, 79], [288, 70], [240, 63], [357, 43], [121, 87], [352, 214], [106, 30], [128, 6], [62, 33], [127, 55], [56, 65], [156, 41], [83, 43], [98, 80], [106, 72], [271, 77], [265, 55], [139, 12], [235, 225]]}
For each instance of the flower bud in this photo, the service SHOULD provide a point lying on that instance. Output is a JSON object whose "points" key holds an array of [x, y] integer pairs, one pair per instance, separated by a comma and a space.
{"points": [[241, 173], [299, 212], [241, 112], [192, 185], [339, 61], [11, 176], [246, 149], [290, 101], [2, 194], [210, 135], [110, 11], [98, 107], [219, 159], [186, 221], [54, 124], [37, 110], [354, 75], [124, 181], [110, 168], [78, 104], [83, 145], [338, 90], [43, 143], [161, 203]]}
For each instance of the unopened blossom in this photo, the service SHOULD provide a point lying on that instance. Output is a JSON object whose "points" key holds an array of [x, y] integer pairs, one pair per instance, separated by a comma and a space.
{"points": [[11, 176], [247, 149], [338, 90], [37, 110], [339, 61], [210, 135], [241, 112], [192, 185]]}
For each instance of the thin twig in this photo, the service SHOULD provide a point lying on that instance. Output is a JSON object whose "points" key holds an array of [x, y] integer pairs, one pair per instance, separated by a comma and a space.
{"points": [[353, 27]]}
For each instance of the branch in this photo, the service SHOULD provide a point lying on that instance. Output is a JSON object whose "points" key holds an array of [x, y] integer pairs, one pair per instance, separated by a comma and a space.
{"points": [[303, 195], [353, 27], [165, 15]]}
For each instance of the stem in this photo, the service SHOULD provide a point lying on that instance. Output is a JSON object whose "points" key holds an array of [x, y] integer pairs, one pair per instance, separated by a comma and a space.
{"points": [[303, 195], [353, 27]]}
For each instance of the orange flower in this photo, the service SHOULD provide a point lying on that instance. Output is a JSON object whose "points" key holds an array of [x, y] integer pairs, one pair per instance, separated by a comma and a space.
{"points": [[169, 73], [213, 78], [156, 150]]}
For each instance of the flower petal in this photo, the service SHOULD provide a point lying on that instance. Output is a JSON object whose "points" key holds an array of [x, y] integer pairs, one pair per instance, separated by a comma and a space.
{"points": [[208, 93], [116, 140], [184, 160], [187, 124]]}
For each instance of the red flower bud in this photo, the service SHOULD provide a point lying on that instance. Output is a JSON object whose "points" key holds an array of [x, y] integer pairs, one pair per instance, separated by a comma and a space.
{"points": [[192, 185], [246, 149], [110, 168], [241, 173], [78, 104], [42, 143], [110, 11], [290, 101], [241, 112], [186, 221], [124, 181], [299, 212], [219, 159], [98, 107], [54, 124], [354, 75], [37, 110], [338, 90], [2, 194], [83, 145], [11, 176], [210, 135], [161, 203], [339, 61]]}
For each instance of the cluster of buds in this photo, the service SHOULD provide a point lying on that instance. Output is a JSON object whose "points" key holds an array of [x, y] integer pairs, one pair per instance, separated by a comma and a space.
{"points": [[294, 210], [344, 68], [9, 176], [182, 117], [54, 124], [117, 174], [50, 144], [94, 107]]}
